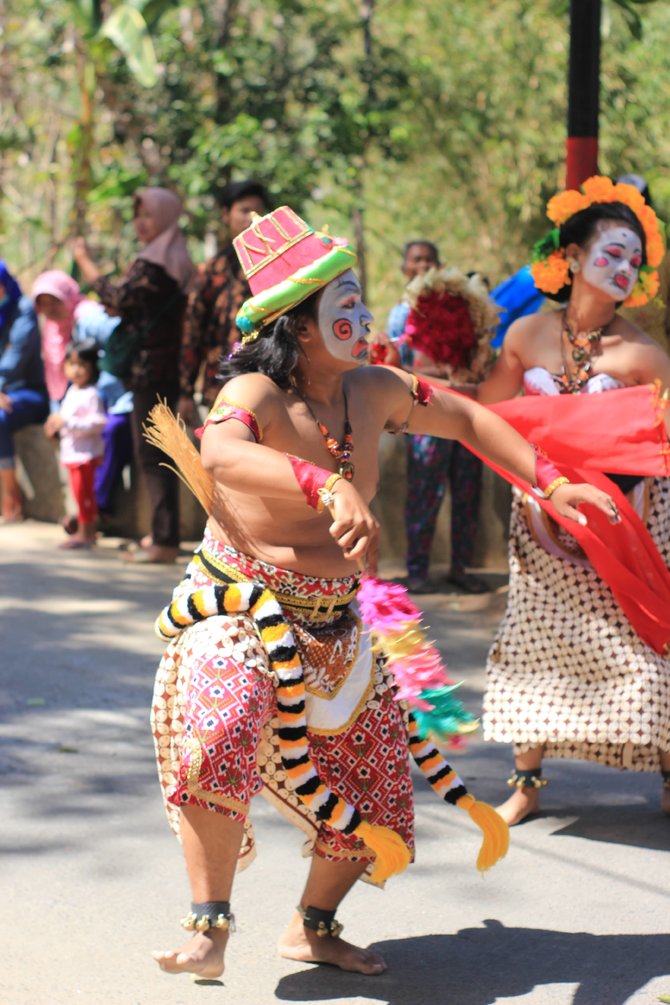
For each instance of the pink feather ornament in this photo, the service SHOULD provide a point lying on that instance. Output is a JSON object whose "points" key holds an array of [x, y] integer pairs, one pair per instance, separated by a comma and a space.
{"points": [[416, 665]]}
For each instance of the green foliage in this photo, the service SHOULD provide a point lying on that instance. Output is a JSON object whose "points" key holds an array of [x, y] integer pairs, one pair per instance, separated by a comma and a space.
{"points": [[127, 29], [447, 123]]}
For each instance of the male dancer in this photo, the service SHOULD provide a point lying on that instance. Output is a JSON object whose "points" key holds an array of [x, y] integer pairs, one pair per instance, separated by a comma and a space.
{"points": [[291, 447]]}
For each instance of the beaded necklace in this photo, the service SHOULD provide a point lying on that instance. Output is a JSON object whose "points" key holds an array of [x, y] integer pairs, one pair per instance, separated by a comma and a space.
{"points": [[340, 451], [584, 346]]}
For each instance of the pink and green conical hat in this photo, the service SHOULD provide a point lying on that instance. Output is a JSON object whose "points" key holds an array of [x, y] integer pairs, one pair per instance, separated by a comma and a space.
{"points": [[284, 261]]}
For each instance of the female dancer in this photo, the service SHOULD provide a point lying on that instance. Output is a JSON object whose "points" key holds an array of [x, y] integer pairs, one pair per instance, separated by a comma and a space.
{"points": [[568, 676]]}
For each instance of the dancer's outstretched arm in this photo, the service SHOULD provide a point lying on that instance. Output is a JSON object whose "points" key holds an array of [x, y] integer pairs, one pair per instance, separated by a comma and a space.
{"points": [[451, 416]]}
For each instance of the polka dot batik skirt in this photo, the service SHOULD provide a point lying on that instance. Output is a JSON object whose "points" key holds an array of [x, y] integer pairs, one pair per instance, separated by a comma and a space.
{"points": [[567, 670]]}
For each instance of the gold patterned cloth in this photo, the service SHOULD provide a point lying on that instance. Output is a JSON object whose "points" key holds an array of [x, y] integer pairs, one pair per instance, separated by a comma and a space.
{"points": [[566, 670]]}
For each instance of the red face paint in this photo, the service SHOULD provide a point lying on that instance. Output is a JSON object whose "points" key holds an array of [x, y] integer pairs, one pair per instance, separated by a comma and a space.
{"points": [[342, 329]]}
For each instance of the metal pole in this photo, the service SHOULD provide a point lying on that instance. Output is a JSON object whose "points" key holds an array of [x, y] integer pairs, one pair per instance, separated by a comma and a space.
{"points": [[581, 159]]}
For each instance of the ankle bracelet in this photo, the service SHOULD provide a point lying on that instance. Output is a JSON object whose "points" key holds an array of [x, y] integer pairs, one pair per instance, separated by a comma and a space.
{"points": [[321, 922], [211, 914], [530, 778]]}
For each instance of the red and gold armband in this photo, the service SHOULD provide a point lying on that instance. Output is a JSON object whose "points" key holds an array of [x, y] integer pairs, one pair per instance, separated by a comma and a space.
{"points": [[315, 482], [226, 410], [421, 391], [547, 476]]}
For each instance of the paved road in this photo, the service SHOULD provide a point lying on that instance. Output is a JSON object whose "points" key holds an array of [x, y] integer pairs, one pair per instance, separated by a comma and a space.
{"points": [[92, 879]]}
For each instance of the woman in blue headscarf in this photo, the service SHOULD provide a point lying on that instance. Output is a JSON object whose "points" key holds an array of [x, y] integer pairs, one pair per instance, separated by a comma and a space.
{"points": [[23, 394]]}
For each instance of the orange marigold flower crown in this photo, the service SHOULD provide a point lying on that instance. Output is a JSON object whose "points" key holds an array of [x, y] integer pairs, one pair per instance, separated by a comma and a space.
{"points": [[549, 267]]}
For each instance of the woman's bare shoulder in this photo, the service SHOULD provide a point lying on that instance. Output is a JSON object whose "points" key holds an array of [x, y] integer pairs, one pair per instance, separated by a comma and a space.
{"points": [[631, 333], [533, 324]]}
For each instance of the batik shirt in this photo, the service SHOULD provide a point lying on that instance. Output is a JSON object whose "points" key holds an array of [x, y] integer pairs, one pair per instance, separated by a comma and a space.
{"points": [[216, 296], [149, 300]]}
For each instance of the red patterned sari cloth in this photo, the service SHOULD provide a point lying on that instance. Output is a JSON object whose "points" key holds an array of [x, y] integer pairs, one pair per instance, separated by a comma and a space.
{"points": [[214, 712]]}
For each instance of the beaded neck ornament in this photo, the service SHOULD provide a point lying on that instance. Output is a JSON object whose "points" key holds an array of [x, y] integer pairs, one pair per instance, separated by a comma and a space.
{"points": [[340, 451], [584, 346]]}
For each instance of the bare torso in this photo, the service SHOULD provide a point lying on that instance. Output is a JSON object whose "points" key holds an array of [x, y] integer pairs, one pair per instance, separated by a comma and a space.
{"points": [[287, 532], [259, 506]]}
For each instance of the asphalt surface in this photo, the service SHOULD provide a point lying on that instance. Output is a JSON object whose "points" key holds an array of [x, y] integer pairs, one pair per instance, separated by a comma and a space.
{"points": [[92, 880]]}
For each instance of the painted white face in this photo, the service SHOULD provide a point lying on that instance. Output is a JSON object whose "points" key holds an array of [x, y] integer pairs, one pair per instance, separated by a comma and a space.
{"points": [[613, 261], [344, 319]]}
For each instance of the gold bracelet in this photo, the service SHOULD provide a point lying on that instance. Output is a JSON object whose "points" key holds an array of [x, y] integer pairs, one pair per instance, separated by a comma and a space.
{"points": [[550, 489], [325, 493]]}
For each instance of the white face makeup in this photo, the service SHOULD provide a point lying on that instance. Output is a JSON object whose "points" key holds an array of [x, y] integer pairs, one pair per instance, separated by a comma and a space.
{"points": [[344, 319], [613, 261]]}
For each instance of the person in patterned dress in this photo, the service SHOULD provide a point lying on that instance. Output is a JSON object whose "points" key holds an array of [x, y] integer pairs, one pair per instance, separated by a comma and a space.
{"points": [[216, 295], [150, 300], [291, 451], [568, 675]]}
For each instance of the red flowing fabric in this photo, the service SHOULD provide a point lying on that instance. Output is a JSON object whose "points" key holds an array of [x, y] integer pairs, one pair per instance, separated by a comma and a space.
{"points": [[621, 432]]}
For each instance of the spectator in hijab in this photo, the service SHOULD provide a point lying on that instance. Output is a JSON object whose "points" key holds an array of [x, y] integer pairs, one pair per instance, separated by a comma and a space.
{"points": [[63, 306], [150, 300]]}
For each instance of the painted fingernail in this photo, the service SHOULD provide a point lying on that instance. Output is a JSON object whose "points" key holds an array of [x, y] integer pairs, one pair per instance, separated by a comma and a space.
{"points": [[582, 520]]}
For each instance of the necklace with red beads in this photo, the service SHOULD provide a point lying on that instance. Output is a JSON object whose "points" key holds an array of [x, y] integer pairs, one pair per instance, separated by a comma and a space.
{"points": [[341, 451]]}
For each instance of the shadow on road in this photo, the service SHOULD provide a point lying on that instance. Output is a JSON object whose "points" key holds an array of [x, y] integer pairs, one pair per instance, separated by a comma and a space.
{"points": [[636, 826], [478, 966]]}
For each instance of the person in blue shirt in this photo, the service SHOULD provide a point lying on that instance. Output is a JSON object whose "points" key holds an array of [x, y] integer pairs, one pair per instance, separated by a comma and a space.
{"points": [[23, 393], [516, 296]]}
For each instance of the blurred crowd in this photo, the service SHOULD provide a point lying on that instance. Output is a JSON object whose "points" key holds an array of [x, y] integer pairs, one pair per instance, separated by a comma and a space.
{"points": [[89, 366]]}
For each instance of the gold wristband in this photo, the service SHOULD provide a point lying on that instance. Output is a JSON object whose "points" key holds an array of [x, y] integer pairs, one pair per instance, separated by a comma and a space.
{"points": [[325, 493], [550, 489]]}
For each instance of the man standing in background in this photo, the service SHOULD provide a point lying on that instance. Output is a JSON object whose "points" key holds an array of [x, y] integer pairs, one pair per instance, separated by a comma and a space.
{"points": [[217, 294]]}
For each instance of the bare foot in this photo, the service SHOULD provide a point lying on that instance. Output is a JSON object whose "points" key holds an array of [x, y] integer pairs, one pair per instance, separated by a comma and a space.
{"points": [[77, 542], [202, 955], [520, 805], [303, 944]]}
